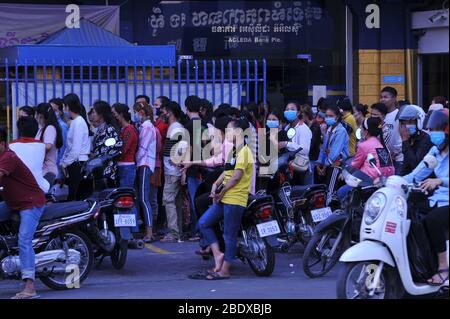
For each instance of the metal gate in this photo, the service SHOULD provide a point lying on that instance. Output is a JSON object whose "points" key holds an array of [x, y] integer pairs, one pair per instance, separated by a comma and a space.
{"points": [[235, 82]]}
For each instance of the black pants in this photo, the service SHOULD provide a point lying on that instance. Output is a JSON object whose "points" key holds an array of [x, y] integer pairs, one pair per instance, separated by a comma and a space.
{"points": [[74, 179], [436, 222]]}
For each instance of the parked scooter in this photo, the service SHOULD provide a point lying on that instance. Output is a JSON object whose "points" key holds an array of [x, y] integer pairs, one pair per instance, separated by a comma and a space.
{"points": [[111, 226], [340, 230], [64, 255], [379, 266], [257, 235], [298, 208]]}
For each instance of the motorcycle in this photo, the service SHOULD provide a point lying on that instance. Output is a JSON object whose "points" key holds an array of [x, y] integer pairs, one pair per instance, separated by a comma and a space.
{"points": [[297, 208], [63, 254], [336, 233], [381, 265], [257, 235], [110, 228]]}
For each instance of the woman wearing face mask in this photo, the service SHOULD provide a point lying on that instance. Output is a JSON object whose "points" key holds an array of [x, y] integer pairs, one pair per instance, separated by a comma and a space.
{"points": [[436, 209], [57, 105], [78, 145], [335, 143], [415, 142], [50, 134], [106, 129], [370, 131], [303, 135], [145, 162]]}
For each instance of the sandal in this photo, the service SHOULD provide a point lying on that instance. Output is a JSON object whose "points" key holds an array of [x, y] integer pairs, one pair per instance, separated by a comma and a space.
{"points": [[216, 276], [431, 282], [26, 295], [194, 238]]}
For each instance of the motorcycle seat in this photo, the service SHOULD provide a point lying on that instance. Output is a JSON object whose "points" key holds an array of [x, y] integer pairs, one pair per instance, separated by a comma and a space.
{"points": [[300, 191], [258, 199], [59, 210]]}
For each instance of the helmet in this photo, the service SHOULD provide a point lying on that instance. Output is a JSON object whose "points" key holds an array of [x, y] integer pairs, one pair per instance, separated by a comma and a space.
{"points": [[408, 112], [438, 120]]}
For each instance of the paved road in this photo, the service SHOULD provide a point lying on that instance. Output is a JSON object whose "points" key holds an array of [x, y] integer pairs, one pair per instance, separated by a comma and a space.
{"points": [[160, 271]]}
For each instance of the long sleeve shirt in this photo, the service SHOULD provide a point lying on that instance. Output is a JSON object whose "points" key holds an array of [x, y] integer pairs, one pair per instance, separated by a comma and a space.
{"points": [[335, 146], [78, 143], [414, 153], [421, 172], [146, 154], [302, 138]]}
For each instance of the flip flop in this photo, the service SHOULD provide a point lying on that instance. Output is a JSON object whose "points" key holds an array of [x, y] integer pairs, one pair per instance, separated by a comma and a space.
{"points": [[25, 295], [440, 271], [216, 276]]}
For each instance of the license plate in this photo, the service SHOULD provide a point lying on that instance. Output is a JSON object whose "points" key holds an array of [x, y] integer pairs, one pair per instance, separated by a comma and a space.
{"points": [[125, 220], [268, 229], [320, 214]]}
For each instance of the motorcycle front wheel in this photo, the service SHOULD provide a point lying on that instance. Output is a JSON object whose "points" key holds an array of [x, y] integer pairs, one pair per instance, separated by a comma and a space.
{"points": [[75, 274], [316, 260], [263, 263], [119, 254], [355, 279]]}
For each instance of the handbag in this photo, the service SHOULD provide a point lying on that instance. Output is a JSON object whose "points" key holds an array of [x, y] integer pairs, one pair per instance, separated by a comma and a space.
{"points": [[300, 163]]}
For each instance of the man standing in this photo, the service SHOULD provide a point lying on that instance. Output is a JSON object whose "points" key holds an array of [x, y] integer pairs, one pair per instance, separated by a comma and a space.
{"points": [[391, 127], [196, 126], [21, 193]]}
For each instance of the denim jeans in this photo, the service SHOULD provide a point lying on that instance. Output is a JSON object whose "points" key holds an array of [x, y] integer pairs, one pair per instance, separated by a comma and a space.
{"points": [[193, 183], [29, 220], [232, 216], [127, 176], [309, 175], [143, 176]]}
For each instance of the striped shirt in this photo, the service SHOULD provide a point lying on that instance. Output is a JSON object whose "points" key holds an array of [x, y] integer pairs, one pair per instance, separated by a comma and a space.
{"points": [[174, 134]]}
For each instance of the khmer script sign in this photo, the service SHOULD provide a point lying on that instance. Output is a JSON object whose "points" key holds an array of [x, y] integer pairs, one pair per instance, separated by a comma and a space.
{"points": [[208, 27]]}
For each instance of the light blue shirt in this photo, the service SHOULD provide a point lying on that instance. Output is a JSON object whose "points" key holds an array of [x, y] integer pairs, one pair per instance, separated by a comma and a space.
{"points": [[421, 172], [64, 129]]}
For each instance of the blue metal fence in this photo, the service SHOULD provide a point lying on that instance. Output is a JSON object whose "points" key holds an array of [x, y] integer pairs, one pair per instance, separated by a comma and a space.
{"points": [[29, 83]]}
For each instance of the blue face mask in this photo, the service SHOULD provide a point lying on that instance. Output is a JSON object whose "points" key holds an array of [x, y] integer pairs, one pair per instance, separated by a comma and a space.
{"points": [[330, 121], [67, 115], [437, 138], [137, 118], [412, 129], [273, 123], [290, 115], [321, 114]]}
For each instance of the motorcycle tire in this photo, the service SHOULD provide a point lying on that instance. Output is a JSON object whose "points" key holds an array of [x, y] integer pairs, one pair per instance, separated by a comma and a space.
{"points": [[51, 283], [270, 265], [311, 252], [393, 287], [119, 254]]}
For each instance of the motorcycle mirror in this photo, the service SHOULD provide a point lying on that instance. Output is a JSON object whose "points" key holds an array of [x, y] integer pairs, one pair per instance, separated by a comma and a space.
{"points": [[430, 161], [371, 159], [291, 133], [358, 134], [110, 142]]}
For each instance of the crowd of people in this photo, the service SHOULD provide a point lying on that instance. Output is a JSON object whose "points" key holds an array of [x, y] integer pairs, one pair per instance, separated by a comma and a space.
{"points": [[58, 137]]}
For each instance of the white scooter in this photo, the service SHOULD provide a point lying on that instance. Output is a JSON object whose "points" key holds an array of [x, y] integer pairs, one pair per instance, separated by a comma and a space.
{"points": [[378, 266]]}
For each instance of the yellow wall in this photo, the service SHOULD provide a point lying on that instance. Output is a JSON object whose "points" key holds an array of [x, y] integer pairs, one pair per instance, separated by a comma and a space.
{"points": [[373, 65]]}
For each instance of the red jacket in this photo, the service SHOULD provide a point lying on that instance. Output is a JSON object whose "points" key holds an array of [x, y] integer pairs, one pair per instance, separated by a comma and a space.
{"points": [[129, 137]]}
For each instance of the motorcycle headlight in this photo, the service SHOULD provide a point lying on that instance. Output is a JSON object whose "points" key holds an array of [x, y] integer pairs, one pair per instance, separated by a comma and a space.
{"points": [[374, 206], [351, 180]]}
